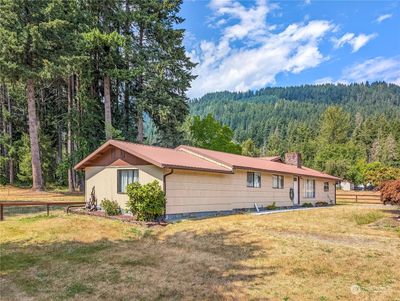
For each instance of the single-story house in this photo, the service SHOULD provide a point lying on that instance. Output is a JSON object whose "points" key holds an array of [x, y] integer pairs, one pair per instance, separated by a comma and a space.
{"points": [[200, 181]]}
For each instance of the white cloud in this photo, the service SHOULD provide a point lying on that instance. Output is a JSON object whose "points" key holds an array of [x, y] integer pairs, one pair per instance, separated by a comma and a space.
{"points": [[251, 20], [248, 55], [356, 42], [382, 18], [324, 80], [376, 69], [346, 38]]}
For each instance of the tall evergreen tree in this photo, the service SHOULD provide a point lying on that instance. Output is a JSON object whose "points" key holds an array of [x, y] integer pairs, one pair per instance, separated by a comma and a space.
{"points": [[31, 35]]}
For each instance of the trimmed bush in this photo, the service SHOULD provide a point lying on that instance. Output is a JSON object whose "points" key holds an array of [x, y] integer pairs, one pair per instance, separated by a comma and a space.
{"points": [[272, 206], [146, 201], [110, 207], [307, 205], [321, 204]]}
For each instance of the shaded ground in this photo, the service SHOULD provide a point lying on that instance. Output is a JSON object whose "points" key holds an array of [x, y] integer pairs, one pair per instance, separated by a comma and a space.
{"points": [[339, 253]]}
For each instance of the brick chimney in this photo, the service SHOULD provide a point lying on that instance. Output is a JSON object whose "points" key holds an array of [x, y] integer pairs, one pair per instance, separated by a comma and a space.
{"points": [[293, 159]]}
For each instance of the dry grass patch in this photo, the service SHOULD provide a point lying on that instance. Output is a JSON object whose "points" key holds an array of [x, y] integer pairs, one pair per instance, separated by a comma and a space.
{"points": [[306, 255], [12, 193]]}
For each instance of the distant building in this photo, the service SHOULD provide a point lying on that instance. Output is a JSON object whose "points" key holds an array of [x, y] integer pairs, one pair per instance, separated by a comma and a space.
{"points": [[346, 185]]}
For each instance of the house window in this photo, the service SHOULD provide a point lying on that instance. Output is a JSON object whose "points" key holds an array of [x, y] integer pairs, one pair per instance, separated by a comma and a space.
{"points": [[277, 182], [309, 188], [254, 179], [126, 177], [326, 186]]}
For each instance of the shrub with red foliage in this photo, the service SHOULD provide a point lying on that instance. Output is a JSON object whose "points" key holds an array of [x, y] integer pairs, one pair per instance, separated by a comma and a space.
{"points": [[390, 191]]}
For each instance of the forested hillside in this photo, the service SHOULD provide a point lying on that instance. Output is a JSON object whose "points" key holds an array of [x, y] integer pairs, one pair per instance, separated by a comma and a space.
{"points": [[363, 122]]}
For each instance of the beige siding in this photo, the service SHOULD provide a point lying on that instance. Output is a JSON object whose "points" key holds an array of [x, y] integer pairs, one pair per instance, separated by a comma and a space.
{"points": [[320, 194], [104, 179], [191, 191], [194, 191]]}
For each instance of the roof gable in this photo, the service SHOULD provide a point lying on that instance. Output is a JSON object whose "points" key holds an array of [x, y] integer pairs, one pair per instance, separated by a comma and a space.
{"points": [[158, 156]]}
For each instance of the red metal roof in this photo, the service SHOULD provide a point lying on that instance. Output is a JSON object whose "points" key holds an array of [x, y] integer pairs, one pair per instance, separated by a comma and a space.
{"points": [[159, 156], [244, 162], [194, 158], [273, 158]]}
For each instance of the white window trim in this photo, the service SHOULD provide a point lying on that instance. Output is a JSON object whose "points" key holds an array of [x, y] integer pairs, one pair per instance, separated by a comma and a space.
{"points": [[306, 191], [253, 182], [135, 178], [278, 181]]}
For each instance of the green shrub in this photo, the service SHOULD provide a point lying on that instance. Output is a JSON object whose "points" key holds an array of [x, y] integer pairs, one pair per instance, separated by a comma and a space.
{"points": [[110, 207], [272, 206], [321, 204], [307, 205], [146, 201]]}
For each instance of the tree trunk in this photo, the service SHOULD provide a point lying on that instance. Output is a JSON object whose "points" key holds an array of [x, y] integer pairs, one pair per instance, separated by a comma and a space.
{"points": [[10, 134], [3, 126], [140, 134], [107, 107], [127, 105], [126, 108], [69, 136], [37, 178]]}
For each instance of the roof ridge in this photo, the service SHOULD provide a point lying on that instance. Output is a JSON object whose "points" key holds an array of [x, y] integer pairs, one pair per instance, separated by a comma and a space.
{"points": [[221, 152], [207, 158], [147, 145], [204, 158]]}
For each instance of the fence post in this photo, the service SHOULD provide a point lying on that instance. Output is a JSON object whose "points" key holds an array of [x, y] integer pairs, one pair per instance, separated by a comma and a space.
{"points": [[48, 209], [1, 213], [356, 198]]}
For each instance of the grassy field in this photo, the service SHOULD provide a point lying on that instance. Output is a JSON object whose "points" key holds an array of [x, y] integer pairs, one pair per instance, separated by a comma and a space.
{"points": [[12, 193], [345, 252]]}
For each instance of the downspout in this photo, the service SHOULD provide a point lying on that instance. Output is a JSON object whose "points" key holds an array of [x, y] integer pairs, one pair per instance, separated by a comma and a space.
{"points": [[165, 188]]}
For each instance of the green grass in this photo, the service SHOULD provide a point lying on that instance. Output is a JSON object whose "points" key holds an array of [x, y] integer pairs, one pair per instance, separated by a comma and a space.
{"points": [[35, 218], [77, 288], [76, 253], [17, 261], [367, 218]]}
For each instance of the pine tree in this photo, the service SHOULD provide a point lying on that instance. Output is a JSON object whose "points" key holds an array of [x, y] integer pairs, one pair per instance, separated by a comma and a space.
{"points": [[30, 33], [335, 126]]}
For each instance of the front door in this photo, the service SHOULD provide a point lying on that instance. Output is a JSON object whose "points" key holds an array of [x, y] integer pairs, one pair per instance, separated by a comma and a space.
{"points": [[296, 191]]}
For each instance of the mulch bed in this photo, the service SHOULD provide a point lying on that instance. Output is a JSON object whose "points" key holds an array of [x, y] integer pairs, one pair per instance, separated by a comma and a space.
{"points": [[122, 217]]}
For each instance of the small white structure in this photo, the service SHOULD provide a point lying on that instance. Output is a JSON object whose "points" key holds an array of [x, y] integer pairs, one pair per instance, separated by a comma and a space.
{"points": [[346, 185]]}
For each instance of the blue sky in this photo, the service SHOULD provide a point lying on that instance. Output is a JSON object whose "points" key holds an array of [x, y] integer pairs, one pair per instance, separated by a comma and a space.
{"points": [[242, 45]]}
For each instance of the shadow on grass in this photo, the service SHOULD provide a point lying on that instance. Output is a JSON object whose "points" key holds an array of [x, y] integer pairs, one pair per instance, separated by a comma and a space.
{"points": [[183, 265]]}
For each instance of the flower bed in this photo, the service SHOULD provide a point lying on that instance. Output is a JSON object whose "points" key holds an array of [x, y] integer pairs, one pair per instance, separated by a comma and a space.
{"points": [[121, 217]]}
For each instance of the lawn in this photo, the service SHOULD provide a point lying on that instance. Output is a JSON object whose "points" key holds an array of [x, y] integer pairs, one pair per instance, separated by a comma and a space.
{"points": [[12, 193], [345, 252]]}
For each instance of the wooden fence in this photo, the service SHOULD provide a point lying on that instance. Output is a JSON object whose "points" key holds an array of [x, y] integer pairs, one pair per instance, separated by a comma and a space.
{"points": [[41, 205], [362, 197]]}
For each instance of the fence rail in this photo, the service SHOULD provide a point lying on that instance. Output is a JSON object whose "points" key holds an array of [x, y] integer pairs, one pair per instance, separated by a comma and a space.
{"points": [[34, 204], [367, 197]]}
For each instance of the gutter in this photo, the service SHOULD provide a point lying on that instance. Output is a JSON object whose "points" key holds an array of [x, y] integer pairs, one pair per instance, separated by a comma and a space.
{"points": [[165, 188]]}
